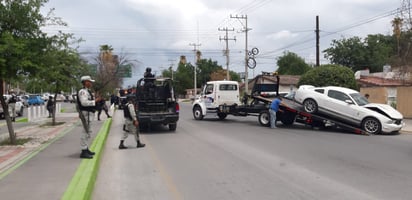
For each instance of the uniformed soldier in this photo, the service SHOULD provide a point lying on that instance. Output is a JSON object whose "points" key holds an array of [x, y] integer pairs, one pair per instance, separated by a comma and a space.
{"points": [[12, 105], [87, 104], [131, 123]]}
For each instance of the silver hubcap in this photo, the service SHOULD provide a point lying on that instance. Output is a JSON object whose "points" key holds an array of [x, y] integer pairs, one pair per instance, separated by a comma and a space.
{"points": [[371, 126]]}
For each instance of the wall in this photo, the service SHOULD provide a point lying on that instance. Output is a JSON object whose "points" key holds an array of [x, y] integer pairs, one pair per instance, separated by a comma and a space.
{"points": [[404, 96], [376, 94], [385, 95]]}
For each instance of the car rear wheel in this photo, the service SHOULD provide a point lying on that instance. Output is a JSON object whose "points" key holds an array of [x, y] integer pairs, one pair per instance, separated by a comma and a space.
{"points": [[371, 125], [310, 106], [197, 113]]}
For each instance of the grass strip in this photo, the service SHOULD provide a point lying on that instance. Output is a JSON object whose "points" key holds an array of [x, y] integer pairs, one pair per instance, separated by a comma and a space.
{"points": [[82, 184]]}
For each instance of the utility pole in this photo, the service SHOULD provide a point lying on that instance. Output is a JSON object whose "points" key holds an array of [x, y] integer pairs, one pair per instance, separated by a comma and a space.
{"points": [[226, 52], [246, 29], [195, 49], [317, 41]]}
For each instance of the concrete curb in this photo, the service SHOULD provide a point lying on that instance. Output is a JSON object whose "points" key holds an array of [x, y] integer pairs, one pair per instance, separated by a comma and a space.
{"points": [[82, 184]]}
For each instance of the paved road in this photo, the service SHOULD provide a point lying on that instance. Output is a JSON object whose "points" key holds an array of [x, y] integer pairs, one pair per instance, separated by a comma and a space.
{"points": [[239, 159]]}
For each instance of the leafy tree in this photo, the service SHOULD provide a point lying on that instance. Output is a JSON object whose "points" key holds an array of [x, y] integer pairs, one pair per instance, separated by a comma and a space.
{"points": [[234, 76], [184, 77], [329, 75], [62, 66], [291, 64], [373, 52], [111, 69], [379, 49], [206, 68], [347, 52], [22, 44]]}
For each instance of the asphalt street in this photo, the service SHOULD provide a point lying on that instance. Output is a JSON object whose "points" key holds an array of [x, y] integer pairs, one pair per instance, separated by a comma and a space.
{"points": [[212, 159]]}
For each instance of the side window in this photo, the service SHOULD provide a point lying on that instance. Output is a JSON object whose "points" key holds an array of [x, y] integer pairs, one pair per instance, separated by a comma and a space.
{"points": [[209, 89], [228, 87], [320, 90], [338, 95]]}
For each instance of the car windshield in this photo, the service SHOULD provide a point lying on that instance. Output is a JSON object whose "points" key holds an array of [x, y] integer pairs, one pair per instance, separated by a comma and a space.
{"points": [[359, 99], [290, 95]]}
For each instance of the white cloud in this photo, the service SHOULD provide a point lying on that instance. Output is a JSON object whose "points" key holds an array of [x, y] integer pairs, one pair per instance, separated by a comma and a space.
{"points": [[281, 35]]}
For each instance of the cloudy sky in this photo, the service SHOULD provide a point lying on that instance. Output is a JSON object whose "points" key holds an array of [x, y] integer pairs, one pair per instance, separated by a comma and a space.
{"points": [[157, 32]]}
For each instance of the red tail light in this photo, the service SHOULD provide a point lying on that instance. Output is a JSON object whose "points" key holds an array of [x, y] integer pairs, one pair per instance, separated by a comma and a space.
{"points": [[177, 107]]}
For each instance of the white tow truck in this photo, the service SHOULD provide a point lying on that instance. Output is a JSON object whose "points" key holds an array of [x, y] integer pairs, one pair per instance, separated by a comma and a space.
{"points": [[221, 98]]}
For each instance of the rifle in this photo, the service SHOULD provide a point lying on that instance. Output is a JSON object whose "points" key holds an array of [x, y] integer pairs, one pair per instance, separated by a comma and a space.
{"points": [[81, 116]]}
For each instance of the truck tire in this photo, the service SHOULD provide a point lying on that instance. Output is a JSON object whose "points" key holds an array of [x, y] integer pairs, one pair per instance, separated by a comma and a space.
{"points": [[264, 118], [197, 113], [288, 118], [172, 127], [222, 116]]}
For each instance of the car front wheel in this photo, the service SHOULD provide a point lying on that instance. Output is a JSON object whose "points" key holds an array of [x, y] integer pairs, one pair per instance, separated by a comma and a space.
{"points": [[310, 106], [371, 126]]}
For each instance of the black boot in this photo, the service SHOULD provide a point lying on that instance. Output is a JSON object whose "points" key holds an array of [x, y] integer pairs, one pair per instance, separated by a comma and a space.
{"points": [[84, 154], [140, 144], [90, 152], [121, 146]]}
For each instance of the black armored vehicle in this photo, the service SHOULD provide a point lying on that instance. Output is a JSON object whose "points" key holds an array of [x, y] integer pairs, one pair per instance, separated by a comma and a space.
{"points": [[156, 103]]}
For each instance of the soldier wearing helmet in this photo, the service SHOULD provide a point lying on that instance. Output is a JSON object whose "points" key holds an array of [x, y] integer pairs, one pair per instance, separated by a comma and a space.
{"points": [[131, 123]]}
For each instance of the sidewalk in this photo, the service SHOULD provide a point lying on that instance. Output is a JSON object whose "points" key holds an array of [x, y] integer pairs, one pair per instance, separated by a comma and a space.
{"points": [[44, 167]]}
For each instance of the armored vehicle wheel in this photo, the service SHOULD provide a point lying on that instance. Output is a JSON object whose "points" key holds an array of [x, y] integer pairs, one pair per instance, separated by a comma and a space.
{"points": [[172, 127]]}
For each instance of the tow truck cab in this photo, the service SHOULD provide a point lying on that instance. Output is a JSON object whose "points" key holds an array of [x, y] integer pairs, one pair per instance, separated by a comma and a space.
{"points": [[214, 94]]}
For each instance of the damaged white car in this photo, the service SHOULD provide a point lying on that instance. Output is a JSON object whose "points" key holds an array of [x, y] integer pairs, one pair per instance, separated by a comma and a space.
{"points": [[351, 107]]}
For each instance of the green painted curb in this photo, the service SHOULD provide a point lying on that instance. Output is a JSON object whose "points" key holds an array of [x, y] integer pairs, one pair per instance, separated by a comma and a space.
{"points": [[82, 184]]}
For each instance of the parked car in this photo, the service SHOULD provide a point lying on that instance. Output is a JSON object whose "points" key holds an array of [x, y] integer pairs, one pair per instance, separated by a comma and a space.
{"points": [[19, 107], [35, 100], [24, 99], [351, 107]]}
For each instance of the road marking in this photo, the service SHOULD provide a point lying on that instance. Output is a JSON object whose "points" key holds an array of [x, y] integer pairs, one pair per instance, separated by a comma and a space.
{"points": [[171, 186]]}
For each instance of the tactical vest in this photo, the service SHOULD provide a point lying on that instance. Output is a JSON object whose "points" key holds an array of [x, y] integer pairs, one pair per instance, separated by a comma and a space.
{"points": [[126, 112], [13, 99], [86, 108]]}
